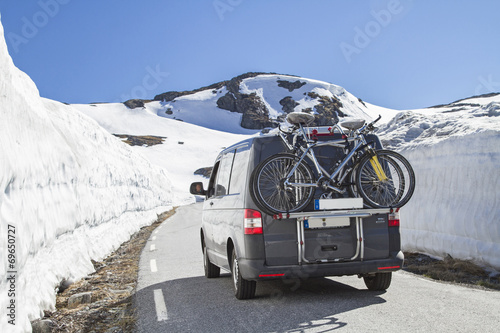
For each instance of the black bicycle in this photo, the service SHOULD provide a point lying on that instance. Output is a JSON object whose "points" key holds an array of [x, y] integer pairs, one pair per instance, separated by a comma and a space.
{"points": [[285, 182]]}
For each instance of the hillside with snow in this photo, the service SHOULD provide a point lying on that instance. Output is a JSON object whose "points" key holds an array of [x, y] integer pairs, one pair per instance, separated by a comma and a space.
{"points": [[254, 101]]}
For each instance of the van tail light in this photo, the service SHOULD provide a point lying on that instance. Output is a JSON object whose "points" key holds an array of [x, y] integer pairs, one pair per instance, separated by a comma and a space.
{"points": [[252, 222], [394, 218]]}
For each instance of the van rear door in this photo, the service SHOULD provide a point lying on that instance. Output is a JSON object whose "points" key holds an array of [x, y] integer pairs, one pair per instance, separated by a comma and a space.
{"points": [[327, 236]]}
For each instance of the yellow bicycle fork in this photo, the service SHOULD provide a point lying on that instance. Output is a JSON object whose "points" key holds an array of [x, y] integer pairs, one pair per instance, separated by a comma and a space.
{"points": [[378, 168]]}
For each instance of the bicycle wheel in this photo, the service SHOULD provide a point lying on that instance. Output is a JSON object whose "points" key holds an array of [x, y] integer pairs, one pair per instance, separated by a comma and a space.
{"points": [[268, 189], [385, 180]]}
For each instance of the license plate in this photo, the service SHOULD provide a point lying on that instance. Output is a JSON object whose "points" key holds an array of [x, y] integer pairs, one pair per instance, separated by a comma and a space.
{"points": [[328, 222]]}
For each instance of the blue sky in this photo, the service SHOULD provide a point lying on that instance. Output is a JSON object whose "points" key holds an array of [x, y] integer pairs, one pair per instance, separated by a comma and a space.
{"points": [[400, 54]]}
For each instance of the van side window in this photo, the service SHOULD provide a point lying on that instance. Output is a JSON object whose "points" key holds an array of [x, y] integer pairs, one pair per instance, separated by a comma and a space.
{"points": [[240, 170], [213, 178], [224, 174]]}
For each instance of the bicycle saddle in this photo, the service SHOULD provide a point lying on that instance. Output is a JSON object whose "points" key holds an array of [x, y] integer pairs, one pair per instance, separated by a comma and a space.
{"points": [[353, 124], [299, 118]]}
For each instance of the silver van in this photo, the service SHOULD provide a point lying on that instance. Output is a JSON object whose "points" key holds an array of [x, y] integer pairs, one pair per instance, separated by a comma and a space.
{"points": [[239, 237]]}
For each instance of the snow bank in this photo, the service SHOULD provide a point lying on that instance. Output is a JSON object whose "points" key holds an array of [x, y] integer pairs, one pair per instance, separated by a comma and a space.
{"points": [[69, 190], [455, 152]]}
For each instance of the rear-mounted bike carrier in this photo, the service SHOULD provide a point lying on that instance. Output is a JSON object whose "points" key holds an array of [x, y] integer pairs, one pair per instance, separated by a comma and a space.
{"points": [[309, 217]]}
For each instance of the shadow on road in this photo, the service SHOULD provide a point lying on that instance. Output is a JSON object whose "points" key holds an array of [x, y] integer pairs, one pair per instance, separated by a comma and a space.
{"points": [[199, 304]]}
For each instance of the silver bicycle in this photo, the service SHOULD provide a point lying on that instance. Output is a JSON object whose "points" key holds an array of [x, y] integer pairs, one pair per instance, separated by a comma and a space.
{"points": [[285, 182]]}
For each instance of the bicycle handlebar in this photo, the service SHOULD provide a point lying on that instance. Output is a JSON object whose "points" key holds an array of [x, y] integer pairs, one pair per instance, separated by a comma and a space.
{"points": [[369, 127]]}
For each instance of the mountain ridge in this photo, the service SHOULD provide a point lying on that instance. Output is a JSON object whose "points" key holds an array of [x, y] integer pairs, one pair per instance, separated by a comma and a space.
{"points": [[264, 99], [324, 100]]}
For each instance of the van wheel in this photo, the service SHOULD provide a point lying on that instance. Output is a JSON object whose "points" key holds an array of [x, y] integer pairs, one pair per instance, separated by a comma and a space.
{"points": [[379, 281], [211, 271], [243, 289]]}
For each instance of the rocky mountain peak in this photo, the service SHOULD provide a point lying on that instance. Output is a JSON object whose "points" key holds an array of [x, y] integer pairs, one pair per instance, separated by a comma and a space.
{"points": [[264, 99]]}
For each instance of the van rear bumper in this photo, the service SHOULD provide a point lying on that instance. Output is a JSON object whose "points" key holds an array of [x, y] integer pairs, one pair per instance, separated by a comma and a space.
{"points": [[258, 270]]}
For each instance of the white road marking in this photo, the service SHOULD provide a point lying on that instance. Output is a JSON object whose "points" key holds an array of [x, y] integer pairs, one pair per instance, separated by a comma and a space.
{"points": [[152, 247], [156, 231], [153, 265], [154, 238], [161, 308]]}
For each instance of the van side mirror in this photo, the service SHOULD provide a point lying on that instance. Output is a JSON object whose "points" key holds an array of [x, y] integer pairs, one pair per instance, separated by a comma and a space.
{"points": [[197, 189]]}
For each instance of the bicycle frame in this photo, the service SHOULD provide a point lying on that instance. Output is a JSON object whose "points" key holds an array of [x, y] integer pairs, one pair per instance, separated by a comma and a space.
{"points": [[357, 137]]}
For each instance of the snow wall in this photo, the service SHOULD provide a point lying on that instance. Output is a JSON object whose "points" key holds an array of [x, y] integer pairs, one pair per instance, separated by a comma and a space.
{"points": [[69, 192], [455, 209]]}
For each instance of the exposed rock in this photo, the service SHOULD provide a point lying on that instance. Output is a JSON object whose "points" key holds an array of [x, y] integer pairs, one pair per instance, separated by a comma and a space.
{"points": [[327, 109], [205, 172], [145, 140], [227, 102], [256, 115], [64, 284], [78, 299], [169, 96], [231, 100], [134, 103], [288, 104], [42, 326], [291, 86], [457, 103]]}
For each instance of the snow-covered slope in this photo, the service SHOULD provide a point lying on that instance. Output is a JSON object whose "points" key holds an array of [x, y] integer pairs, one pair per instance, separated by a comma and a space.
{"points": [[69, 192], [455, 151], [186, 147]]}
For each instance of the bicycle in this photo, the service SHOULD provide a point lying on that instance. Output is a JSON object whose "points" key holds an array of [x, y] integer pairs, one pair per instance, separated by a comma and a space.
{"points": [[285, 182]]}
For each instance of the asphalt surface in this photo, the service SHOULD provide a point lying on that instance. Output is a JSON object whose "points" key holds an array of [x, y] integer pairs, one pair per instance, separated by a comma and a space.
{"points": [[173, 295]]}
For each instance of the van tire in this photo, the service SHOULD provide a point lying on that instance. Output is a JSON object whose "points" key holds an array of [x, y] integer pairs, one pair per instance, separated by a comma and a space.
{"points": [[379, 281], [211, 271], [243, 289]]}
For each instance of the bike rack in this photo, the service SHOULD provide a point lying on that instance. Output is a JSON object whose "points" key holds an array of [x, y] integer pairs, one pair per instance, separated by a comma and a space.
{"points": [[304, 216]]}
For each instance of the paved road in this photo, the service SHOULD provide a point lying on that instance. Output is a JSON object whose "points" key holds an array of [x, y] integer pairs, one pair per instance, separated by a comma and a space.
{"points": [[174, 296]]}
